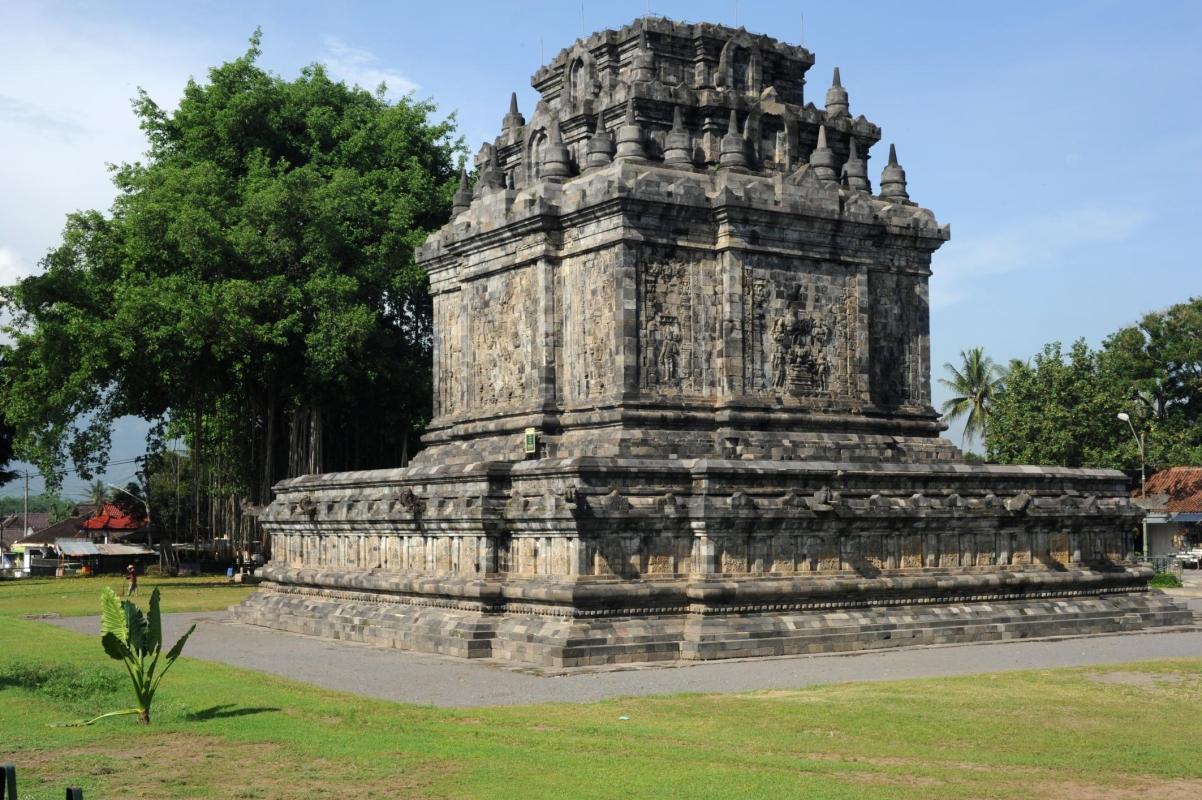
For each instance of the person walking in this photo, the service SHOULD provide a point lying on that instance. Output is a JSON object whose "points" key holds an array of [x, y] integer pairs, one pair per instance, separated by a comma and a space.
{"points": [[131, 580]]}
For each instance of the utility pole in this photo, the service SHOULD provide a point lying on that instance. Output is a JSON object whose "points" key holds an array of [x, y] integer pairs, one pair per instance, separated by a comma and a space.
{"points": [[1143, 472], [25, 516]]}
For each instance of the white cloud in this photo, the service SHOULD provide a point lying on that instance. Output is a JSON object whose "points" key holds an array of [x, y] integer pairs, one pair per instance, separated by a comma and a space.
{"points": [[363, 68], [1025, 245], [17, 112], [12, 266], [66, 112]]}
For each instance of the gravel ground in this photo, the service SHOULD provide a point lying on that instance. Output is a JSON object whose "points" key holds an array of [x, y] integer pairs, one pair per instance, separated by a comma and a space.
{"points": [[434, 680]]}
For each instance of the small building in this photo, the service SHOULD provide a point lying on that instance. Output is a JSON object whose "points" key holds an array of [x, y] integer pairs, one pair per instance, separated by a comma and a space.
{"points": [[1172, 504], [38, 550], [113, 523], [104, 557], [17, 526], [43, 539]]}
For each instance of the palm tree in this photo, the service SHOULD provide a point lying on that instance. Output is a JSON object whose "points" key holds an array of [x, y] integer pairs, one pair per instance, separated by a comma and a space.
{"points": [[1004, 373], [98, 494], [974, 384]]}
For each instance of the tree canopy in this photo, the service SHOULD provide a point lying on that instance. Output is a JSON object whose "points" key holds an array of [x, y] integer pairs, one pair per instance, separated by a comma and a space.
{"points": [[1062, 408], [253, 284]]}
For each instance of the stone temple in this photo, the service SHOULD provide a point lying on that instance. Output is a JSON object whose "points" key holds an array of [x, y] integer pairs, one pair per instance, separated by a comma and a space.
{"points": [[682, 404]]}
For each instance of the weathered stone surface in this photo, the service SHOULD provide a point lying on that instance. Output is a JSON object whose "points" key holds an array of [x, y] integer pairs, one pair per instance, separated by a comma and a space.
{"points": [[675, 272]]}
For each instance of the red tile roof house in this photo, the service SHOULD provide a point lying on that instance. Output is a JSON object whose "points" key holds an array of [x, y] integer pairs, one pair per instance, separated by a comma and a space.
{"points": [[109, 524], [1172, 503], [112, 523]]}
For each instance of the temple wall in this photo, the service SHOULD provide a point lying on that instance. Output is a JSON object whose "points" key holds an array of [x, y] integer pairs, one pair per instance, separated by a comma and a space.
{"points": [[639, 550]]}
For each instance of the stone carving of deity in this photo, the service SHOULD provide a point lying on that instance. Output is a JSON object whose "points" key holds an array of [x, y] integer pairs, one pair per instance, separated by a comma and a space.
{"points": [[798, 361], [782, 336], [668, 363]]}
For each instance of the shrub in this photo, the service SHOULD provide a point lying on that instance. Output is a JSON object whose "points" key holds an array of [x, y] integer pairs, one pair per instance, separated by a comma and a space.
{"points": [[68, 683], [1165, 580]]}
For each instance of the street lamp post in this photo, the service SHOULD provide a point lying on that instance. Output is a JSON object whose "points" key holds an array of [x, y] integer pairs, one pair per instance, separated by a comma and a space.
{"points": [[1143, 472], [144, 503]]}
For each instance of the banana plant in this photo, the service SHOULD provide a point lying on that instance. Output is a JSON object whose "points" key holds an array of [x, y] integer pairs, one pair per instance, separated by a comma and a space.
{"points": [[136, 639]]}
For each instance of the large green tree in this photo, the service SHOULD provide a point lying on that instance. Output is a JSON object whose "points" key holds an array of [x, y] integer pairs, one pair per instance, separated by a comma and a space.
{"points": [[1062, 407], [1056, 410], [1157, 363], [253, 286]]}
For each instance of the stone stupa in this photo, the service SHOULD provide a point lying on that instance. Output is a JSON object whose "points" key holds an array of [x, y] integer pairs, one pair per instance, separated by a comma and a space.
{"points": [[682, 402]]}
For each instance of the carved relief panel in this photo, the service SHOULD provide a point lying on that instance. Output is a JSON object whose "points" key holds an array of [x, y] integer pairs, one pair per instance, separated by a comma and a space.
{"points": [[899, 347], [501, 324], [588, 301], [679, 300], [448, 354], [798, 330]]}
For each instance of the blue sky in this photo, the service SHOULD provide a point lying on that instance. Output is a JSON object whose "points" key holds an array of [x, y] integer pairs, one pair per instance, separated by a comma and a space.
{"points": [[1062, 141]]}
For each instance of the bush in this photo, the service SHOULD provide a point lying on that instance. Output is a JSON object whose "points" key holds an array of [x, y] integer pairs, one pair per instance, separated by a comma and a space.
{"points": [[1165, 580]]}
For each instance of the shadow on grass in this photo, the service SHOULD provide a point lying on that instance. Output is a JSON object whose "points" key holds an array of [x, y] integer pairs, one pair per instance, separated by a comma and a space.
{"points": [[226, 711]]}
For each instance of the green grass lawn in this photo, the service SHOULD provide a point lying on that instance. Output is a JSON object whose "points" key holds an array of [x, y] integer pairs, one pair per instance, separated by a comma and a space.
{"points": [[76, 597], [1126, 732]]}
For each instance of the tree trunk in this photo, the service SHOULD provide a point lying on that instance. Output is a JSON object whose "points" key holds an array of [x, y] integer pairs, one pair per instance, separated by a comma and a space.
{"points": [[268, 448], [197, 451], [305, 441], [144, 716]]}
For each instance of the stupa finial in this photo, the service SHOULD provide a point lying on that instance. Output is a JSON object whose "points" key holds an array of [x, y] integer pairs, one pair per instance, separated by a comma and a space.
{"points": [[514, 118], [733, 150], [557, 161], [491, 177], [855, 171], [630, 136], [822, 160], [463, 195], [836, 98], [600, 147], [678, 145], [893, 180]]}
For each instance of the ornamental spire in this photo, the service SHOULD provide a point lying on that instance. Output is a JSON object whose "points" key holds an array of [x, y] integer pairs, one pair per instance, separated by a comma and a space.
{"points": [[463, 195], [514, 118], [893, 180], [678, 145], [630, 137], [557, 161], [600, 146], [733, 150], [836, 98], [855, 171], [823, 159], [491, 177]]}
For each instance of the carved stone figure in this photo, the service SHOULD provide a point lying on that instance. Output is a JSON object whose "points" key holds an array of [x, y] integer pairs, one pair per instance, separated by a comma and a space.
{"points": [[669, 350]]}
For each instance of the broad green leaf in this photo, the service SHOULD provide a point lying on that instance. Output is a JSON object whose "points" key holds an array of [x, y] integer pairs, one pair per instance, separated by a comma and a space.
{"points": [[136, 621], [112, 616], [114, 647], [172, 655], [154, 631], [174, 652]]}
